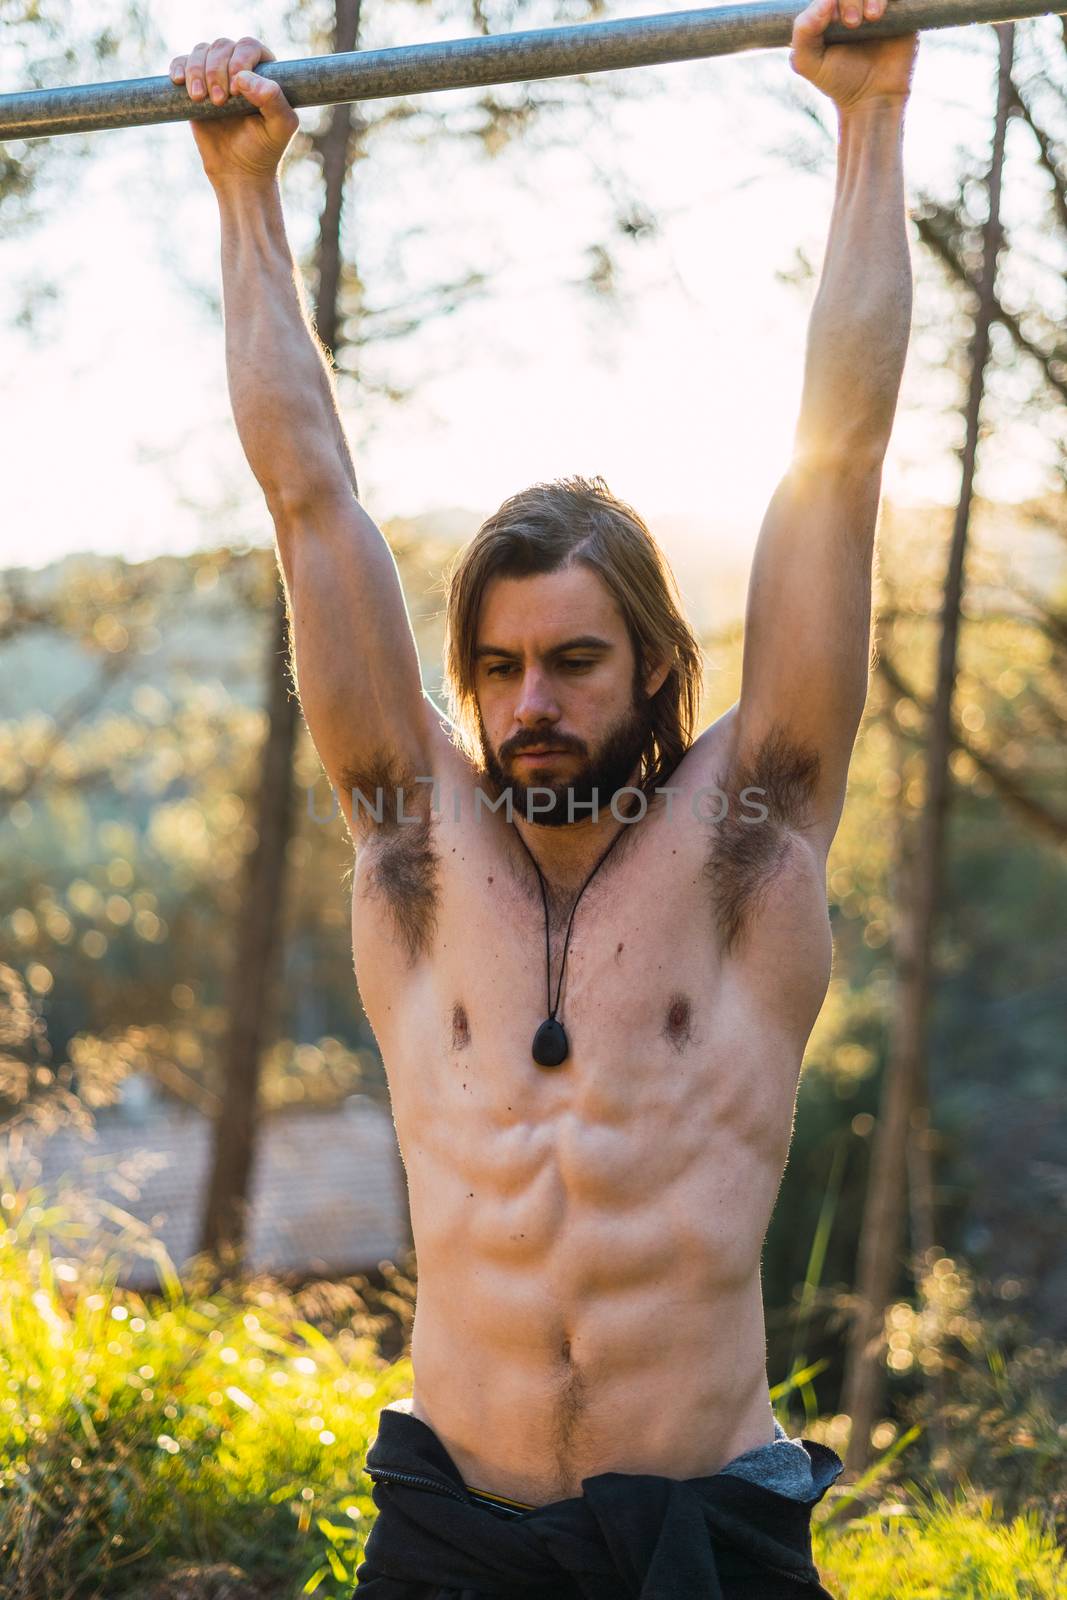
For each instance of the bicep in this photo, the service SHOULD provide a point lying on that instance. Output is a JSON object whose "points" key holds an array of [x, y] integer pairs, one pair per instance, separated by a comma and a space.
{"points": [[807, 635], [354, 653]]}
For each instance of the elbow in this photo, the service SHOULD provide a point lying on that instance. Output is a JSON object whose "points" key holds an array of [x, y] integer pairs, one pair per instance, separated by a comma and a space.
{"points": [[297, 504], [854, 456]]}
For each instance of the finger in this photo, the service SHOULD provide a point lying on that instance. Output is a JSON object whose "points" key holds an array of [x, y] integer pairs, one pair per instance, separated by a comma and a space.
{"points": [[269, 100], [808, 29], [813, 21], [874, 10], [177, 69], [218, 70], [194, 70], [247, 53]]}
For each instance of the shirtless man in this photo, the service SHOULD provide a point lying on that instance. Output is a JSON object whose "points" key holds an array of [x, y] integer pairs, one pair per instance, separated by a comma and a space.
{"points": [[588, 1232]]}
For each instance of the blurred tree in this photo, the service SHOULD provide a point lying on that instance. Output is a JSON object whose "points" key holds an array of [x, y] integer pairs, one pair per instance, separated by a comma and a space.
{"points": [[1009, 728], [42, 43], [905, 1094], [1028, 315], [129, 734], [994, 1027]]}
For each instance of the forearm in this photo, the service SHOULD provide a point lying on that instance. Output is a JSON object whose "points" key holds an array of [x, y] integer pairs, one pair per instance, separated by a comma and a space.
{"points": [[858, 335], [281, 387]]}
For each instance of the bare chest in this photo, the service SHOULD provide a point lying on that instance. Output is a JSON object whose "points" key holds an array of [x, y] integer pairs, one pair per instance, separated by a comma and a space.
{"points": [[458, 965], [457, 918]]}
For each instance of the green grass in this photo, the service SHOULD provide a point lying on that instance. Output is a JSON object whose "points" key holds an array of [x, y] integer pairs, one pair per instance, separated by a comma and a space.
{"points": [[946, 1552], [138, 1436]]}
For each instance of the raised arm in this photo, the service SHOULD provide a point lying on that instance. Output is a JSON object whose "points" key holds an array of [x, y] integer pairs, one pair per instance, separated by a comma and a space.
{"points": [[807, 629], [356, 662]]}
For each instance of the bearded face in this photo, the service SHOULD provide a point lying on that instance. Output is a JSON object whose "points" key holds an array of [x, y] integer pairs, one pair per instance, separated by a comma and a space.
{"points": [[559, 790], [564, 713]]}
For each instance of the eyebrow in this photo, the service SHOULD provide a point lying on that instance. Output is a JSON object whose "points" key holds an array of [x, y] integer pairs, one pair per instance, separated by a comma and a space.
{"points": [[584, 641]]}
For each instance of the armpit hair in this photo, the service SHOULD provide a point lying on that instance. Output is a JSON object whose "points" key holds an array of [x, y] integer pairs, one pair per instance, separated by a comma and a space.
{"points": [[391, 820], [382, 790], [768, 793]]}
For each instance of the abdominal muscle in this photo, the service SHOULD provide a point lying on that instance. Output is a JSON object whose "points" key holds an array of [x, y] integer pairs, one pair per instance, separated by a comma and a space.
{"points": [[533, 1429], [613, 1324]]}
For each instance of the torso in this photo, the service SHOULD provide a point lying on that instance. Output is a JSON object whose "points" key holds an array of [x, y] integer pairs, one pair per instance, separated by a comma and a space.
{"points": [[588, 1237]]}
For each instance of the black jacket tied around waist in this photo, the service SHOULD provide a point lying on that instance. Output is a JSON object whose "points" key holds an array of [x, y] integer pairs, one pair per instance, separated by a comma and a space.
{"points": [[628, 1536]]}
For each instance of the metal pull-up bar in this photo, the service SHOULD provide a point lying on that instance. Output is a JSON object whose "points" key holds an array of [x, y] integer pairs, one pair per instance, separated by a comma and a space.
{"points": [[475, 63]]}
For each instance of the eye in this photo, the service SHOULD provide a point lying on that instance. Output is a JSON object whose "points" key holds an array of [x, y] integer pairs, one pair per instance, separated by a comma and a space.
{"points": [[499, 668], [577, 665]]}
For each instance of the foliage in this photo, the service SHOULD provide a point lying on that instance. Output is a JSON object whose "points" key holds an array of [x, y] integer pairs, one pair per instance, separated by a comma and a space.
{"points": [[128, 818], [44, 43], [945, 1551], [380, 300], [969, 1386], [138, 1434], [33, 1090], [997, 1394]]}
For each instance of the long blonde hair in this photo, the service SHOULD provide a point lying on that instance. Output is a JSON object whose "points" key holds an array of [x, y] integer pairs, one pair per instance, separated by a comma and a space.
{"points": [[548, 527]]}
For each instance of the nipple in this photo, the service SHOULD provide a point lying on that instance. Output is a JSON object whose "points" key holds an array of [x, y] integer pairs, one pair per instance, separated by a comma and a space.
{"points": [[679, 1020]]}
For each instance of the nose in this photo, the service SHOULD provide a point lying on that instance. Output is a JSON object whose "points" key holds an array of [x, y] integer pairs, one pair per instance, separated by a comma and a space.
{"points": [[536, 703]]}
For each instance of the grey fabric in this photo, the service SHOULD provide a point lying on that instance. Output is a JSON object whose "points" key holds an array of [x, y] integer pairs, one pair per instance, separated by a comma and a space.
{"points": [[784, 1466]]}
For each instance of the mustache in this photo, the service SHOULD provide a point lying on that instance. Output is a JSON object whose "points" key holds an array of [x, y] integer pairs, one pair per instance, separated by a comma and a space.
{"points": [[517, 749]]}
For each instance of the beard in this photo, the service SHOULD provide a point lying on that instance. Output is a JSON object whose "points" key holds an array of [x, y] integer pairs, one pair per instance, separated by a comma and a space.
{"points": [[599, 775]]}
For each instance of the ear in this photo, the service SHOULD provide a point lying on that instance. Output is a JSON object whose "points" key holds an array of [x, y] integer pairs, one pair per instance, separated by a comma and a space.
{"points": [[656, 677]]}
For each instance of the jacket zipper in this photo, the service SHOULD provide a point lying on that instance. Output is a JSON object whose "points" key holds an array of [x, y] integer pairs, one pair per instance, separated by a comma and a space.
{"points": [[388, 1475]]}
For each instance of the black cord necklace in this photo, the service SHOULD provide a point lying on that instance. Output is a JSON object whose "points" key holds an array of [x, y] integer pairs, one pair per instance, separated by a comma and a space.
{"points": [[550, 1044]]}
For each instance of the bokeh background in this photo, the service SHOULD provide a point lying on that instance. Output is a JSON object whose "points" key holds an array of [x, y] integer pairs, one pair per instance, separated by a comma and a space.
{"points": [[608, 275]]}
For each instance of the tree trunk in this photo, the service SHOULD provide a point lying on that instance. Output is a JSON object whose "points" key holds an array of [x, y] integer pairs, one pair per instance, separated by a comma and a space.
{"points": [[257, 967], [881, 1236], [254, 980]]}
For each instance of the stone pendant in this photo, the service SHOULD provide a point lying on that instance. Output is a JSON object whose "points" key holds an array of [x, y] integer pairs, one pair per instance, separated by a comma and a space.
{"points": [[550, 1045]]}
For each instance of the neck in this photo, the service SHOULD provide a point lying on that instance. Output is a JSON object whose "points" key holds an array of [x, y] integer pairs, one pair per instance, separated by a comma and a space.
{"points": [[567, 854]]}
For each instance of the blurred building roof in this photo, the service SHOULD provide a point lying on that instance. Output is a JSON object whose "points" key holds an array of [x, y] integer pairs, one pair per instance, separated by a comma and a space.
{"points": [[327, 1190]]}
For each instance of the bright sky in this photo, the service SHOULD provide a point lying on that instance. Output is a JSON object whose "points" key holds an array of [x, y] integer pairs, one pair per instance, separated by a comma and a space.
{"points": [[683, 393]]}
